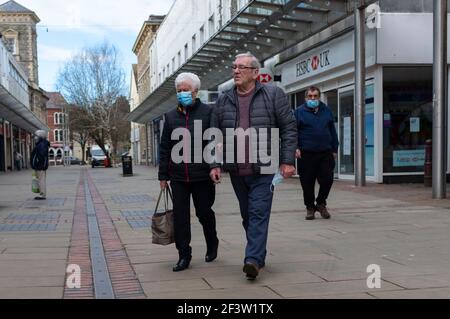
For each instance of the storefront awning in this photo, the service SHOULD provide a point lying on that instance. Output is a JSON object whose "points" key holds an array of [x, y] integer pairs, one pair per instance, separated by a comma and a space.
{"points": [[263, 27], [18, 114]]}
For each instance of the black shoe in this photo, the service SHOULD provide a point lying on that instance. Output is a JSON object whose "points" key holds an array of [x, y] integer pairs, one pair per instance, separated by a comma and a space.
{"points": [[40, 198], [182, 264], [251, 270], [211, 253]]}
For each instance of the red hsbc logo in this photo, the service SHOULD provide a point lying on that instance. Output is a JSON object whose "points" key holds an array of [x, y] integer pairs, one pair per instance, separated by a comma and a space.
{"points": [[314, 63], [264, 78]]}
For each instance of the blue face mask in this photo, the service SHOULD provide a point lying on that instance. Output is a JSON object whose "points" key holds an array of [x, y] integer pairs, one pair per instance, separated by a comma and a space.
{"points": [[185, 98], [277, 180], [312, 104]]}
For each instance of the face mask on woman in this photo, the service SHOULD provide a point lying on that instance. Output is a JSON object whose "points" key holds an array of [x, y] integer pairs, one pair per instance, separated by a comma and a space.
{"points": [[185, 98]]}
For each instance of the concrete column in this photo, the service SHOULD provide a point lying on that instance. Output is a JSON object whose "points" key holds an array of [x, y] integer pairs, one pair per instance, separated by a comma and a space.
{"points": [[5, 165], [360, 90], [440, 91], [147, 155], [12, 145]]}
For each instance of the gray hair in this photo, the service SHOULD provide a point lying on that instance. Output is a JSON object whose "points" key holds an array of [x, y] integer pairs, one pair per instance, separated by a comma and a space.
{"points": [[187, 77], [254, 63], [41, 133]]}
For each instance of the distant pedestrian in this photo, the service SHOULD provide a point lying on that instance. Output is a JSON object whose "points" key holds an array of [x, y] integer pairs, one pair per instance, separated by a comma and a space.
{"points": [[252, 105], [317, 152], [39, 161], [188, 177], [18, 160]]}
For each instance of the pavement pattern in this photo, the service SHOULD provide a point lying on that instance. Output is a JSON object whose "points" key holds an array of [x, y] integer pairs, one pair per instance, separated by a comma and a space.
{"points": [[99, 221]]}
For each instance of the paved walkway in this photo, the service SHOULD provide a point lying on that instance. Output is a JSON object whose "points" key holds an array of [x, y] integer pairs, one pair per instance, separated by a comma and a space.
{"points": [[99, 220]]}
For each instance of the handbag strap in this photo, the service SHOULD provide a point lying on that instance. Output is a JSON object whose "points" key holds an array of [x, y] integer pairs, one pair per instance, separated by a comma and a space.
{"points": [[167, 192], [159, 199]]}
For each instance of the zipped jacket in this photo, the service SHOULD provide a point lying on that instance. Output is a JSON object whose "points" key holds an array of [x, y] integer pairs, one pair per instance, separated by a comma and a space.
{"points": [[187, 170]]}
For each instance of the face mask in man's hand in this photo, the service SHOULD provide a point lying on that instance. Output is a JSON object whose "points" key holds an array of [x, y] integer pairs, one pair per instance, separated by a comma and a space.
{"points": [[277, 180]]}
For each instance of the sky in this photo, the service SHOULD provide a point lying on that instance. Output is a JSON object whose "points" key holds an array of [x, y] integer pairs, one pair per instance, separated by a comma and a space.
{"points": [[67, 27]]}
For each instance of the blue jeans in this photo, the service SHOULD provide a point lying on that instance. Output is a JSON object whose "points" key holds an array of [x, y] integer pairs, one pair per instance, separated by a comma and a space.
{"points": [[255, 202]]}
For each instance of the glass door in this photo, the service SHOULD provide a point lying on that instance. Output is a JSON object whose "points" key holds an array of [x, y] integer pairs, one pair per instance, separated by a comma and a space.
{"points": [[346, 98]]}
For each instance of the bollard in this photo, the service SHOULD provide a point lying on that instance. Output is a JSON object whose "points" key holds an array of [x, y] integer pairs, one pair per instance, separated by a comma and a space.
{"points": [[428, 169]]}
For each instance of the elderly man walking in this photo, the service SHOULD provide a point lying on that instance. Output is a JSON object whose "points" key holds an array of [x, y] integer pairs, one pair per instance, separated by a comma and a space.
{"points": [[251, 105], [317, 151]]}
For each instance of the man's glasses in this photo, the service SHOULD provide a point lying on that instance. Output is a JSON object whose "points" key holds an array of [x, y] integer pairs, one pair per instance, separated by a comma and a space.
{"points": [[242, 67]]}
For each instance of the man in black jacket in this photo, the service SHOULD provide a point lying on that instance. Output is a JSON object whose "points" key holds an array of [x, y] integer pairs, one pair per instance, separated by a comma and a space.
{"points": [[187, 176], [39, 161], [253, 106]]}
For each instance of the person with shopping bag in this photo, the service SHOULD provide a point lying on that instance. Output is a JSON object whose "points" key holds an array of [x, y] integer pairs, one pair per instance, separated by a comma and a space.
{"points": [[39, 161], [188, 177]]}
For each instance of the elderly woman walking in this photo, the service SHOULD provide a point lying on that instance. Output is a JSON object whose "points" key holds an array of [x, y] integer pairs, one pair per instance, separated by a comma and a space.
{"points": [[186, 176]]}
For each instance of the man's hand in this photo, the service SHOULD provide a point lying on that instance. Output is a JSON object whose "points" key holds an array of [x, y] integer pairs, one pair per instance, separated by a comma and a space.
{"points": [[298, 154], [335, 156], [163, 184], [287, 170], [215, 175]]}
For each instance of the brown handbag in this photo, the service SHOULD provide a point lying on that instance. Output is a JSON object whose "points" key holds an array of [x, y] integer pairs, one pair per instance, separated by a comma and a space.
{"points": [[162, 222]]}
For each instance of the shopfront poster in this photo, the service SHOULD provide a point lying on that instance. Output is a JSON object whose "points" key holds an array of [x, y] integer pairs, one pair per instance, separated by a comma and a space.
{"points": [[414, 124], [348, 136], [409, 158]]}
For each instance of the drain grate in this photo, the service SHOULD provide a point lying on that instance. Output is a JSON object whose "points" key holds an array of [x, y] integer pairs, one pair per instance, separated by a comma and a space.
{"points": [[130, 199], [138, 219]]}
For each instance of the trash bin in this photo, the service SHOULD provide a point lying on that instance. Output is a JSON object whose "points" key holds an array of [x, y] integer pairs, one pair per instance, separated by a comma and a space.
{"points": [[127, 165]]}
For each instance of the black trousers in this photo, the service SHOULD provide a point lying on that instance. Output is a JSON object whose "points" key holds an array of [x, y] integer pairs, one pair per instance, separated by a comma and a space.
{"points": [[316, 166], [203, 195]]}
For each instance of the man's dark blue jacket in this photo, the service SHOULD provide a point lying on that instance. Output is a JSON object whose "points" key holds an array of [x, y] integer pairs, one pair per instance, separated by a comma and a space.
{"points": [[316, 131]]}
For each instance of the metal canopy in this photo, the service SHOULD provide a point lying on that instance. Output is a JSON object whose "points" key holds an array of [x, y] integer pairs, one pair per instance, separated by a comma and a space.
{"points": [[15, 112], [263, 27]]}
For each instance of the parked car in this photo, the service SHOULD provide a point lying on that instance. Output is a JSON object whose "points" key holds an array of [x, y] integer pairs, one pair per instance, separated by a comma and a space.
{"points": [[75, 161]]}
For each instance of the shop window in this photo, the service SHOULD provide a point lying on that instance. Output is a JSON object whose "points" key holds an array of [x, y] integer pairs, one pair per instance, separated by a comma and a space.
{"points": [[407, 117]]}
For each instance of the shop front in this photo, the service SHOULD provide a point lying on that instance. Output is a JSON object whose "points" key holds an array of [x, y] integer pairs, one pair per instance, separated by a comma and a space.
{"points": [[399, 86], [330, 68]]}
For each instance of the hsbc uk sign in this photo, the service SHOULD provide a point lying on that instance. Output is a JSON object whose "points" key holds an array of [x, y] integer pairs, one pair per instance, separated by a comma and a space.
{"points": [[314, 63]]}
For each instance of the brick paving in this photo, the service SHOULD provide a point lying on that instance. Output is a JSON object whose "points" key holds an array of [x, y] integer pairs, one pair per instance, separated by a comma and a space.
{"points": [[398, 227]]}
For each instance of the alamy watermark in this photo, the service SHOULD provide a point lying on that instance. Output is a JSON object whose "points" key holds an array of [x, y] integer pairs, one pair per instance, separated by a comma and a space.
{"points": [[73, 276], [373, 16], [240, 146], [374, 279]]}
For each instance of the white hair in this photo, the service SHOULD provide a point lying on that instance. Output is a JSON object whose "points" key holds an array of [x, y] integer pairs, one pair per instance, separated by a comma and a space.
{"points": [[41, 133], [189, 78], [254, 61]]}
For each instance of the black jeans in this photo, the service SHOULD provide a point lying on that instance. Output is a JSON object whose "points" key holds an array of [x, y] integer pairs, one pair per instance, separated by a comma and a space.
{"points": [[203, 196], [316, 166]]}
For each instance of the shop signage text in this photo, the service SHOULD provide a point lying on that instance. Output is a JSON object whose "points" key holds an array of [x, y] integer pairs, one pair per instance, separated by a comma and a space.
{"points": [[314, 63]]}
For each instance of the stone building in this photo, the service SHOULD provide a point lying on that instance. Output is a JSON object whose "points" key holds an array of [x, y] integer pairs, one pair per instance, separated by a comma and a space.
{"points": [[18, 29], [140, 133], [22, 102]]}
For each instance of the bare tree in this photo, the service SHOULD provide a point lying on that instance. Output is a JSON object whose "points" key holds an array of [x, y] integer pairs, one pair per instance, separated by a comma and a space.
{"points": [[121, 127], [94, 80], [80, 126]]}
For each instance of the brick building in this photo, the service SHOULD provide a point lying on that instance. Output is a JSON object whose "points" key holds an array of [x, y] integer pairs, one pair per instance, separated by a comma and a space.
{"points": [[58, 123]]}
